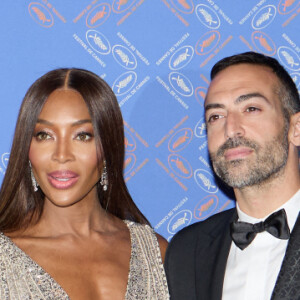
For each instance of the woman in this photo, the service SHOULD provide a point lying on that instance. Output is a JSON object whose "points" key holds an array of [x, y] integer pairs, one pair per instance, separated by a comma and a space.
{"points": [[70, 228]]}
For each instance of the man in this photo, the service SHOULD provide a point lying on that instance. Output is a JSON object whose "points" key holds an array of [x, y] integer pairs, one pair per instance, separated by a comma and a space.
{"points": [[253, 130]]}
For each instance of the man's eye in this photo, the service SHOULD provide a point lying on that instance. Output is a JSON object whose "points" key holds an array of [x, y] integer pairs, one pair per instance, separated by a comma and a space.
{"points": [[214, 118], [83, 136], [42, 136], [252, 109]]}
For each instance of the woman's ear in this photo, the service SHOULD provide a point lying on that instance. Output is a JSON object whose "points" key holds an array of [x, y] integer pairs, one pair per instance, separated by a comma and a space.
{"points": [[294, 131]]}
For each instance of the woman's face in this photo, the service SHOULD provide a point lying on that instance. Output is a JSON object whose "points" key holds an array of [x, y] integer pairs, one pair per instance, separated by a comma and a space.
{"points": [[63, 150]]}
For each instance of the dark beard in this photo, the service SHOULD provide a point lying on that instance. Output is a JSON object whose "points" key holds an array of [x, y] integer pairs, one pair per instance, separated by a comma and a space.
{"points": [[270, 160]]}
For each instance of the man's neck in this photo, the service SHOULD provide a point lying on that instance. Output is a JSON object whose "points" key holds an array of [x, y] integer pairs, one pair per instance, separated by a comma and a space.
{"points": [[260, 200]]}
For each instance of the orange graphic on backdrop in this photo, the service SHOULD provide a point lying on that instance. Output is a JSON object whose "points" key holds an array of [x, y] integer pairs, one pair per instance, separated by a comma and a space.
{"points": [[287, 3], [40, 15], [184, 4], [127, 144], [127, 161], [205, 207], [206, 43], [180, 166], [180, 140], [99, 15], [263, 42], [121, 2]]}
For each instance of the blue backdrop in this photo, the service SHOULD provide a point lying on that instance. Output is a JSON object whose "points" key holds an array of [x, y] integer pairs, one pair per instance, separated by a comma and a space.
{"points": [[156, 55]]}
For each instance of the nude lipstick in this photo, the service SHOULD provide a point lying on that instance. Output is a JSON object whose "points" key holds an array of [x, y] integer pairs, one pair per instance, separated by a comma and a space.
{"points": [[63, 179]]}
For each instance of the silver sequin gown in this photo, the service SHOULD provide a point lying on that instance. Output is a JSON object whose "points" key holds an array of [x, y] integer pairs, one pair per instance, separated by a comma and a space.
{"points": [[23, 279]]}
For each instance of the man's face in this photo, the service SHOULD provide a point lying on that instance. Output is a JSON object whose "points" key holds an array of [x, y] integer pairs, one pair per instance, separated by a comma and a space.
{"points": [[246, 130]]}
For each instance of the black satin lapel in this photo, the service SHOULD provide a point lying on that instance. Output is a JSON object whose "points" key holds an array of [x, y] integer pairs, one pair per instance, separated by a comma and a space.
{"points": [[211, 259], [287, 286]]}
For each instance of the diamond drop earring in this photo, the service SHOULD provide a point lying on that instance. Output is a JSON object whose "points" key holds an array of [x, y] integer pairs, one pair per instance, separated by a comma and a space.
{"points": [[104, 180], [33, 180]]}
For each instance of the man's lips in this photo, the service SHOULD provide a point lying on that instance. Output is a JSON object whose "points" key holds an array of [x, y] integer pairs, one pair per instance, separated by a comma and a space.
{"points": [[237, 153], [62, 179]]}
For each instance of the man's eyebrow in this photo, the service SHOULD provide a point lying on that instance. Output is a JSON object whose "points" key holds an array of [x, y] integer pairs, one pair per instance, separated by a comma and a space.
{"points": [[79, 122], [238, 100], [249, 96]]}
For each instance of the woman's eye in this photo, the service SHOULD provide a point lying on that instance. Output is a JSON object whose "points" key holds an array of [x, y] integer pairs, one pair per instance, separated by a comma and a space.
{"points": [[42, 136], [83, 136]]}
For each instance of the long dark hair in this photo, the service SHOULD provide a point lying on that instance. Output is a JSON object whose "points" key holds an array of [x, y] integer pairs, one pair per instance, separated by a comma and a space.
{"points": [[19, 204]]}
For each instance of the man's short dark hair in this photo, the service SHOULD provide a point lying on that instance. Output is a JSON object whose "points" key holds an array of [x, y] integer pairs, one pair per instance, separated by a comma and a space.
{"points": [[287, 91]]}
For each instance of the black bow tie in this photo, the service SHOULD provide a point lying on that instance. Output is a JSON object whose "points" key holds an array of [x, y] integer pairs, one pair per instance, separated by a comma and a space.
{"points": [[243, 233]]}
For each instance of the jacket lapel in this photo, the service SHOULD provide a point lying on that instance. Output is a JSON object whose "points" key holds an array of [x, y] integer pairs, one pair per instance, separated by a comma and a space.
{"points": [[213, 250], [287, 286]]}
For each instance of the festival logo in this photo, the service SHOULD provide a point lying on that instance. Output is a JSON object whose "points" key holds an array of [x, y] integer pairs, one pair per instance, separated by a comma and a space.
{"points": [[206, 181], [184, 6], [264, 17], [200, 94], [180, 139], [98, 15], [98, 42], [207, 42], [289, 58], [180, 166], [287, 6], [181, 84], [181, 58], [41, 14], [206, 207], [129, 162], [120, 6], [263, 43], [130, 144], [4, 160], [296, 78], [179, 221], [207, 16], [124, 57], [200, 129], [124, 83]]}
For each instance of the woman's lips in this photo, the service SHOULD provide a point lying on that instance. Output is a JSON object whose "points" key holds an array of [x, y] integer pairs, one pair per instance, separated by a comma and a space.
{"points": [[62, 179], [237, 153]]}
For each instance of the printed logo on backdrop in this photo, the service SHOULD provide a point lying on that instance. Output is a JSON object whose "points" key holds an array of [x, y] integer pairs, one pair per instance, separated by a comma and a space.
{"points": [[206, 181], [98, 15], [4, 162], [124, 83], [184, 6], [207, 16], [181, 84], [130, 143], [181, 57], [207, 42], [98, 42], [287, 6], [180, 139], [124, 57], [41, 14], [120, 6], [129, 162], [200, 94], [206, 207], [179, 221], [264, 17], [200, 129], [296, 78], [180, 166], [263, 43], [289, 58]]}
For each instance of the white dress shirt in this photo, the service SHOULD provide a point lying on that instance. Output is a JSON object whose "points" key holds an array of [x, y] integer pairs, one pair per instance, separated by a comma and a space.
{"points": [[251, 273]]}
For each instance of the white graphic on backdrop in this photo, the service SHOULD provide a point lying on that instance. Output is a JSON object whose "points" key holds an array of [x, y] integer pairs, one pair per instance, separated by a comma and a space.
{"points": [[207, 16], [264, 17], [181, 57], [124, 83], [180, 220], [205, 181], [124, 57], [181, 84], [289, 58], [98, 42], [4, 162]]}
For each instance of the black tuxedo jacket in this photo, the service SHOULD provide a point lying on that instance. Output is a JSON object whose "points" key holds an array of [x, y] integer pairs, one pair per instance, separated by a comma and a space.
{"points": [[196, 260]]}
